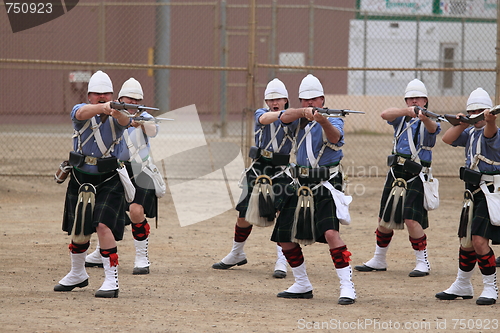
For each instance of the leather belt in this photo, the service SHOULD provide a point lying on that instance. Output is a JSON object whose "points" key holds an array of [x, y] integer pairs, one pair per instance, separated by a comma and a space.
{"points": [[304, 172], [402, 160]]}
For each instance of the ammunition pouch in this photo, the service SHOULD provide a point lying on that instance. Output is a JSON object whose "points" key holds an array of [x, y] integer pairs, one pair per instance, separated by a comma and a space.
{"points": [[470, 176], [280, 159], [76, 159], [107, 164], [254, 153], [392, 160], [412, 167]]}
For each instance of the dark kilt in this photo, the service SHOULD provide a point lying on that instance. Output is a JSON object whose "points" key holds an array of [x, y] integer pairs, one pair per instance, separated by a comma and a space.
{"points": [[145, 194], [325, 217], [109, 206], [481, 225], [414, 200], [262, 166]]}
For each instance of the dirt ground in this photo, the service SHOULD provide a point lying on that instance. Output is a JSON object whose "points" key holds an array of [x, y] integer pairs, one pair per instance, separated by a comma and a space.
{"points": [[184, 294]]}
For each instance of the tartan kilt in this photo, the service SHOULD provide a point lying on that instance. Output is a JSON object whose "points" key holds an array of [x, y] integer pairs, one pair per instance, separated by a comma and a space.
{"points": [[262, 166], [324, 212], [109, 207], [414, 200], [481, 225], [145, 194]]}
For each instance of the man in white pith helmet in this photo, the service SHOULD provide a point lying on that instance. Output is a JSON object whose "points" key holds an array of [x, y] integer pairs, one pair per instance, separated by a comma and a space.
{"points": [[309, 212], [135, 151], [481, 176], [270, 160], [94, 197], [402, 200]]}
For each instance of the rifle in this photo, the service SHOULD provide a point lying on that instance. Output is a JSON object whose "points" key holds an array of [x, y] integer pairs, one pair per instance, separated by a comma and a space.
{"points": [[335, 112], [434, 116], [142, 120], [125, 107], [470, 119]]}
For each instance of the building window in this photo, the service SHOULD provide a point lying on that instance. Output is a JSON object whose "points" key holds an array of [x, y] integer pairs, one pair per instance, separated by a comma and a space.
{"points": [[292, 59], [448, 57]]}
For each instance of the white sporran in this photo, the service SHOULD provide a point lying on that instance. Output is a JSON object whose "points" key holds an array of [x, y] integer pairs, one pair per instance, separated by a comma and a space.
{"points": [[127, 184], [493, 201], [431, 191], [152, 171]]}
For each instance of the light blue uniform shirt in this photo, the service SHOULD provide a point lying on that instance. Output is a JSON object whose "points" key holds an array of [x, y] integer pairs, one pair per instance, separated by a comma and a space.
{"points": [[330, 156], [402, 145], [142, 144], [263, 134], [91, 148], [490, 148]]}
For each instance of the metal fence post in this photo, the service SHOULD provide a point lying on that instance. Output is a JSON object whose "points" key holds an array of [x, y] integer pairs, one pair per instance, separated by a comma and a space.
{"points": [[365, 50], [250, 75], [497, 81], [162, 55], [223, 63], [274, 40], [102, 33], [311, 34], [417, 37]]}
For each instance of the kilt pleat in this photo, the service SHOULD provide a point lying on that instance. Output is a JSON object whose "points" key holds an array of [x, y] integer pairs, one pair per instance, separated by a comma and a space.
{"points": [[145, 194], [481, 224], [109, 206], [324, 212], [414, 200], [262, 167]]}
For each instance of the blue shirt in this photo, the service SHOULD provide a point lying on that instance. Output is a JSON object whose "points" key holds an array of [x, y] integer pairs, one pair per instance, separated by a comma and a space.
{"points": [[91, 148], [140, 142], [263, 134], [330, 156], [402, 145], [490, 148]]}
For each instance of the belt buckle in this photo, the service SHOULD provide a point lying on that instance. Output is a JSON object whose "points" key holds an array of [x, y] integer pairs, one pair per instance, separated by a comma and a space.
{"points": [[401, 160], [91, 160], [266, 153], [304, 172]]}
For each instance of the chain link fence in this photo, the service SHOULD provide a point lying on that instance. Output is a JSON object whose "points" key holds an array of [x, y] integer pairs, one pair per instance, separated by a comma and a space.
{"points": [[219, 55]]}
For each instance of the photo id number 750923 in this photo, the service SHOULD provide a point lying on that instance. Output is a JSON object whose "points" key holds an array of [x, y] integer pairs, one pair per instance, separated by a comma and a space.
{"points": [[28, 7]]}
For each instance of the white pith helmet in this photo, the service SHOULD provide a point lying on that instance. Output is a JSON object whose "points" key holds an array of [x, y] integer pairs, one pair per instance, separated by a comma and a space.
{"points": [[415, 88], [100, 83], [310, 87], [479, 99], [132, 89], [275, 89]]}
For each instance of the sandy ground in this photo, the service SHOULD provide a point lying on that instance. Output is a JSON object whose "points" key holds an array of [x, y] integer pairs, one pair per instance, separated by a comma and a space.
{"points": [[184, 294]]}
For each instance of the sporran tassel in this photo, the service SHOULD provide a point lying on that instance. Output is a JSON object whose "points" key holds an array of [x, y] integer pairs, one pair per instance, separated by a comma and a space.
{"points": [[261, 211], [386, 216], [82, 225], [398, 213], [77, 224], [392, 217], [464, 230], [266, 202], [89, 213], [303, 228]]}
